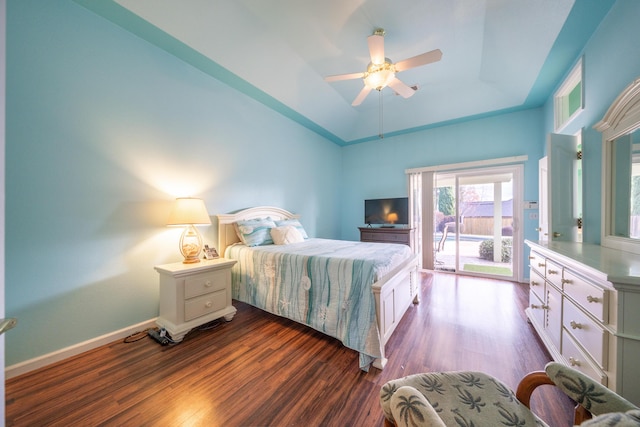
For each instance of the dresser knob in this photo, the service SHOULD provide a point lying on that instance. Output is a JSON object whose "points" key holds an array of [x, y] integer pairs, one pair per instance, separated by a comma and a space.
{"points": [[574, 361], [575, 325], [532, 257], [592, 299], [208, 304], [534, 283], [534, 306], [541, 264], [567, 281], [552, 271]]}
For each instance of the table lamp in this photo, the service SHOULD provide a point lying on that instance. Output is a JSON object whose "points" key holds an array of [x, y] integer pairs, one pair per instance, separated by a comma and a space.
{"points": [[189, 211]]}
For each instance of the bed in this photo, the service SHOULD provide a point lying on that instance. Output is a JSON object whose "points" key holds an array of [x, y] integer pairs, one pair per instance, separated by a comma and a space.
{"points": [[356, 292]]}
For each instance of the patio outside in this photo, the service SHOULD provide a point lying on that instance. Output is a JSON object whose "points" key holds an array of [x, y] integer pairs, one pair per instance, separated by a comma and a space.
{"points": [[470, 259]]}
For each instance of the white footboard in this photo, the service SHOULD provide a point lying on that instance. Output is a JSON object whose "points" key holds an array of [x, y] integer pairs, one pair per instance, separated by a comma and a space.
{"points": [[393, 295]]}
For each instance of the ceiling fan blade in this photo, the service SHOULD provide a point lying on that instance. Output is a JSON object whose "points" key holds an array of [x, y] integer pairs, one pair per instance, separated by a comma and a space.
{"points": [[339, 77], [401, 89], [376, 48], [361, 96], [419, 60]]}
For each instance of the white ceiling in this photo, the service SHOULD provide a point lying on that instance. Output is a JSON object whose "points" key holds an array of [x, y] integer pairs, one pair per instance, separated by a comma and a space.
{"points": [[494, 54]]}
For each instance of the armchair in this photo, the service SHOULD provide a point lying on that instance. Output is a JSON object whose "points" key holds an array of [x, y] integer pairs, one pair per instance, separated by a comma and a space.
{"points": [[474, 398]]}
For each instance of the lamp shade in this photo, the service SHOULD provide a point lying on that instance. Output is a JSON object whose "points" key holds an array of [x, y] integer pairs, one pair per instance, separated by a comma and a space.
{"points": [[187, 210]]}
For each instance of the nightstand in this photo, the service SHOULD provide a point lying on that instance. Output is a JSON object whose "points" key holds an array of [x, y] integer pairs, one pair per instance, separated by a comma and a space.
{"points": [[194, 294]]}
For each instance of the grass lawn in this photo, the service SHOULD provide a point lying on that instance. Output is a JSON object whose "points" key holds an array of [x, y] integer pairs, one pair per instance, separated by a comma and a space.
{"points": [[488, 269]]}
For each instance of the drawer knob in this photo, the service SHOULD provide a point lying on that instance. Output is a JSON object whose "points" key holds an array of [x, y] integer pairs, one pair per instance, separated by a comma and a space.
{"points": [[208, 304], [592, 299], [534, 283], [567, 281], [574, 362], [575, 325], [208, 283], [541, 264], [553, 271], [534, 306]]}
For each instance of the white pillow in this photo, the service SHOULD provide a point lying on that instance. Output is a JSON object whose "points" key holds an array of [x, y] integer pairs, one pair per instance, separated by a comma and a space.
{"points": [[286, 234]]}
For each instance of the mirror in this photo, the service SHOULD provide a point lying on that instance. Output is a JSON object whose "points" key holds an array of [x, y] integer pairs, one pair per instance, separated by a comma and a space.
{"points": [[625, 186], [621, 171]]}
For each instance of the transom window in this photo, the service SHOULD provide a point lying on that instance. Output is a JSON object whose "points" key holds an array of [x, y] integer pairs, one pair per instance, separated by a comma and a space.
{"points": [[568, 100]]}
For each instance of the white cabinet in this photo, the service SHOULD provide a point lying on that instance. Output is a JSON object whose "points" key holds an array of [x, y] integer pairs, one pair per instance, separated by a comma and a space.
{"points": [[194, 294], [584, 302]]}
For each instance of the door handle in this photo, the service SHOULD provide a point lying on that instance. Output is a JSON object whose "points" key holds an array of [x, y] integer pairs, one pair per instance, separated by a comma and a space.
{"points": [[8, 323]]}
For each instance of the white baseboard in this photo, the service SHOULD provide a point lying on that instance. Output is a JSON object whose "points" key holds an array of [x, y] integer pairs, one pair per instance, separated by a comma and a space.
{"points": [[64, 353]]}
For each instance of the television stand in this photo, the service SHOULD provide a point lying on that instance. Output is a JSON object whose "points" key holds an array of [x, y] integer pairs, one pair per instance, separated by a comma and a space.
{"points": [[403, 236]]}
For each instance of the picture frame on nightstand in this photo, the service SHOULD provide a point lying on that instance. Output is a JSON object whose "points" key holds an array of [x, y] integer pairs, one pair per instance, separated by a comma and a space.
{"points": [[210, 252]]}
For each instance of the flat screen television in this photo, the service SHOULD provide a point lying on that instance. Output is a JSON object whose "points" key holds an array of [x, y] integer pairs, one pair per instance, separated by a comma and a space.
{"points": [[387, 212]]}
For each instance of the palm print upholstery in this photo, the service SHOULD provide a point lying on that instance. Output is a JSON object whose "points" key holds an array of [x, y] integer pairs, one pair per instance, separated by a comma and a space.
{"points": [[475, 399], [462, 399]]}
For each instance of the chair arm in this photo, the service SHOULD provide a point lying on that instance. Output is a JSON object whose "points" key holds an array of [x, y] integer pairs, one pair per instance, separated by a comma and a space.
{"points": [[529, 383]]}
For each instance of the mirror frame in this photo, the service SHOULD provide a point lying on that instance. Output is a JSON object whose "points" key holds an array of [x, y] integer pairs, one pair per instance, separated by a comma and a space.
{"points": [[622, 118]]}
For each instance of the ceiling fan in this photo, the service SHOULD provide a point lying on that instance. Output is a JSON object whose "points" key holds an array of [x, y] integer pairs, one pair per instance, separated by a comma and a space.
{"points": [[381, 72]]}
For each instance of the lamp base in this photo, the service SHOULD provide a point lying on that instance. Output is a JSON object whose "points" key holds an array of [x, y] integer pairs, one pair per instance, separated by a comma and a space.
{"points": [[190, 245]]}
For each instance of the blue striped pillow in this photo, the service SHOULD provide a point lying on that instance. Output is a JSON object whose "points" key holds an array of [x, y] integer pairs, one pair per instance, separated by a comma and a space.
{"points": [[295, 223], [255, 232]]}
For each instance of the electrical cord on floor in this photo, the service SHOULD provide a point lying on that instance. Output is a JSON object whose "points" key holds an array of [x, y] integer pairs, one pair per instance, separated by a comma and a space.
{"points": [[211, 325], [161, 336], [136, 336]]}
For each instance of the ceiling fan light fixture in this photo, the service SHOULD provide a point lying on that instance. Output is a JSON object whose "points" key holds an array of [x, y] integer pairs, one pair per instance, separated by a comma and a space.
{"points": [[378, 76]]}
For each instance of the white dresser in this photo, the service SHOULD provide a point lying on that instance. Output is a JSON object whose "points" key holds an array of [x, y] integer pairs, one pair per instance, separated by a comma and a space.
{"points": [[584, 302], [194, 294]]}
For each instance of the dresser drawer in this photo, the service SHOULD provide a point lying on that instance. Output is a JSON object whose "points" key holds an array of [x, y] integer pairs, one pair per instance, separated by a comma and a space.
{"points": [[536, 284], [206, 304], [200, 284], [593, 298], [536, 309], [554, 274], [578, 360], [554, 315], [592, 337], [371, 236], [537, 263]]}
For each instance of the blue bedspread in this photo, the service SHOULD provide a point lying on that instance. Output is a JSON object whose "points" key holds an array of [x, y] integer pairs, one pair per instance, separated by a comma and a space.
{"points": [[325, 284]]}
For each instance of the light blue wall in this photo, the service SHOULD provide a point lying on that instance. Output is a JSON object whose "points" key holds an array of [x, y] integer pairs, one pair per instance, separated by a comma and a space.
{"points": [[377, 169], [611, 62], [103, 131]]}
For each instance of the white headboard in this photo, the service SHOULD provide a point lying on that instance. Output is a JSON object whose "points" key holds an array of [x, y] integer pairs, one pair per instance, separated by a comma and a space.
{"points": [[227, 235]]}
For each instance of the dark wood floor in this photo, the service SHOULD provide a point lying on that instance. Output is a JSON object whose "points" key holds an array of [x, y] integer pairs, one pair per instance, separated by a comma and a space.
{"points": [[261, 370]]}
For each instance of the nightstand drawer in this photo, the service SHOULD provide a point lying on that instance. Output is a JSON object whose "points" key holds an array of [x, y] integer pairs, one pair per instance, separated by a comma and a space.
{"points": [[591, 297], [204, 283], [205, 304]]}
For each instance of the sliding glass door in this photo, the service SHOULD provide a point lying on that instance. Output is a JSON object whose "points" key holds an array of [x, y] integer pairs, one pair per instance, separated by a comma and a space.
{"points": [[474, 222]]}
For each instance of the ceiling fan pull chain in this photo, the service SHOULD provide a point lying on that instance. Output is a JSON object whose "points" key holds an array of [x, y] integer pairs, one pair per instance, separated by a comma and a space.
{"points": [[380, 118]]}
